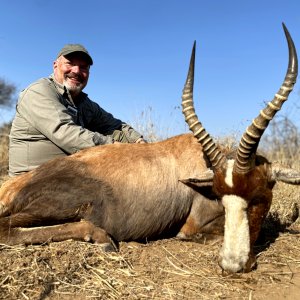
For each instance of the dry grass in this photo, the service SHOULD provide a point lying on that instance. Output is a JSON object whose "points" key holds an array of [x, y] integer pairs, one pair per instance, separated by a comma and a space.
{"points": [[4, 133], [165, 269]]}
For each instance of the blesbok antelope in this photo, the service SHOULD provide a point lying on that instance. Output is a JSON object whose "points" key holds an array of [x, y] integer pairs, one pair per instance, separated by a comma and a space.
{"points": [[185, 185]]}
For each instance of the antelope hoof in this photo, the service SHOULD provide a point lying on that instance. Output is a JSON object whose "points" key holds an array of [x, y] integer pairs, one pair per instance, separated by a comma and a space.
{"points": [[109, 247]]}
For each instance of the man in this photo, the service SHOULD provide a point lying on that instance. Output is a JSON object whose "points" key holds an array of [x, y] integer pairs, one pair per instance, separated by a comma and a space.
{"points": [[55, 118]]}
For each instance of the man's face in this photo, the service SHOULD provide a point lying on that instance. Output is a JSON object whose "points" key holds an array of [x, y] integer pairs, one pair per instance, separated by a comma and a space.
{"points": [[72, 71]]}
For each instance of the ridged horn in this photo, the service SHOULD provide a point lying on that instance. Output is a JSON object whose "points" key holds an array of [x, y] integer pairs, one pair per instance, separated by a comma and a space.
{"points": [[210, 149], [249, 142]]}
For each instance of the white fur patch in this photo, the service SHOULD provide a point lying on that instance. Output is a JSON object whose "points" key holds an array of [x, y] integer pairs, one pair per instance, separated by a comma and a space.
{"points": [[236, 246], [228, 177]]}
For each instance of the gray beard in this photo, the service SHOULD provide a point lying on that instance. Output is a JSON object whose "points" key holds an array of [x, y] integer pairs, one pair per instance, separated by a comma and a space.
{"points": [[73, 89]]}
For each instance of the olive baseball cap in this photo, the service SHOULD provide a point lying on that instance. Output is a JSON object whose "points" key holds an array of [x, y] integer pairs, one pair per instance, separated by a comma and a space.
{"points": [[71, 48]]}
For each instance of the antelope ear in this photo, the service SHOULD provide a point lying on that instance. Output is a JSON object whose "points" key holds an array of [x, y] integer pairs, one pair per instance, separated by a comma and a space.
{"points": [[196, 183], [280, 173], [206, 179]]}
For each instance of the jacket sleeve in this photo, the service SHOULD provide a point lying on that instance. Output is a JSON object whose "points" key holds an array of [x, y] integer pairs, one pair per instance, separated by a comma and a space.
{"points": [[131, 134], [106, 123], [40, 106]]}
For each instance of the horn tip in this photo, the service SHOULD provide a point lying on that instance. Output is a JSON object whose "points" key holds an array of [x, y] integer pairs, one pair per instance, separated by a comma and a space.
{"points": [[285, 29]]}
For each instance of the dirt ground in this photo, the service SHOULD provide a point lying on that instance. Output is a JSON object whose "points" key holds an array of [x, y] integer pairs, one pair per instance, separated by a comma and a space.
{"points": [[165, 269]]}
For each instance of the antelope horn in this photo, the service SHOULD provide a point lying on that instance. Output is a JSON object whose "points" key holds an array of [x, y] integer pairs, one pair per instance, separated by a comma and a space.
{"points": [[212, 152], [249, 142], [280, 173]]}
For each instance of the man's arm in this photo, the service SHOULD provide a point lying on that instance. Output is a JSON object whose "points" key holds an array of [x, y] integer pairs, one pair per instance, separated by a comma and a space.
{"points": [[41, 107], [105, 122]]}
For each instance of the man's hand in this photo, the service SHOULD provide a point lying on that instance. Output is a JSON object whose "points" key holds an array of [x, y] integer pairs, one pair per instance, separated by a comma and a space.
{"points": [[140, 141]]}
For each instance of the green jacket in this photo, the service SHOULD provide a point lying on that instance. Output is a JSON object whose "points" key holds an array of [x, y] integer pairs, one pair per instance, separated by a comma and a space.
{"points": [[47, 124]]}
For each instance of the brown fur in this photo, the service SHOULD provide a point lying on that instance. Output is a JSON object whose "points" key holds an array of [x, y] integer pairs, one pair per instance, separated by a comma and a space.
{"points": [[127, 206], [126, 192], [255, 188]]}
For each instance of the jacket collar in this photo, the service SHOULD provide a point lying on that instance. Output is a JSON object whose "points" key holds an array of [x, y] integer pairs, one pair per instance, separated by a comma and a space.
{"points": [[65, 92]]}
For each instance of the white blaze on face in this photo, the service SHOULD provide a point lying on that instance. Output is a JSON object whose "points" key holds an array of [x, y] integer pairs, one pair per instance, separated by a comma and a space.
{"points": [[229, 169], [236, 246]]}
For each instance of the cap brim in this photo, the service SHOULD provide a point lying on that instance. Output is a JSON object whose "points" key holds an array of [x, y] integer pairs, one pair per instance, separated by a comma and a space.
{"points": [[84, 54]]}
